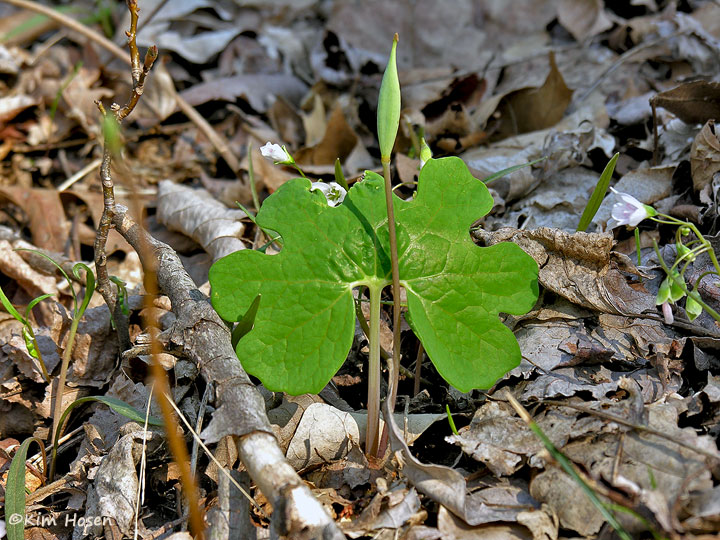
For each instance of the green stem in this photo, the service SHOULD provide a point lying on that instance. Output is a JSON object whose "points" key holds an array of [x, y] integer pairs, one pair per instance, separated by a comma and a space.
{"points": [[373, 401], [669, 220], [395, 363], [298, 169], [59, 392], [680, 282], [251, 179], [637, 246], [44, 370]]}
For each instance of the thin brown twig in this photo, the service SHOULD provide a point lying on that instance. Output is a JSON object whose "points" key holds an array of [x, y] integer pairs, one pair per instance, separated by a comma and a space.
{"points": [[139, 74], [418, 368], [639, 427], [620, 60]]}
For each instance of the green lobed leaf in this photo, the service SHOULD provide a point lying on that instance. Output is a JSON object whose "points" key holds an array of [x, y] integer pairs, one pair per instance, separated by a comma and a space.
{"points": [[455, 289]]}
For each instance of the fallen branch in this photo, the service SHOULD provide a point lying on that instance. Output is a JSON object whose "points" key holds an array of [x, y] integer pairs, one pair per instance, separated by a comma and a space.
{"points": [[201, 336]]}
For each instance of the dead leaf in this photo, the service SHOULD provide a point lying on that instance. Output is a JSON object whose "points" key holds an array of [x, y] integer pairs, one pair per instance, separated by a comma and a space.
{"points": [[315, 121], [561, 493], [414, 425], [285, 417], [450, 526], [579, 267], [286, 121], [467, 90], [113, 492], [353, 470], [583, 18], [323, 434], [705, 156], [502, 441], [15, 267], [11, 106], [368, 30], [46, 216], [338, 141], [196, 213], [387, 510], [532, 109], [258, 90], [694, 102]]}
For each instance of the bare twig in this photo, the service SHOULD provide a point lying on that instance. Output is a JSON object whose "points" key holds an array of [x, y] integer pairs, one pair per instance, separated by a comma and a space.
{"points": [[139, 74], [637, 427], [201, 336], [620, 60], [175, 440]]}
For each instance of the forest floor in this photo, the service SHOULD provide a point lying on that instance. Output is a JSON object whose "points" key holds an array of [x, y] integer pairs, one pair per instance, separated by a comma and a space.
{"points": [[625, 387]]}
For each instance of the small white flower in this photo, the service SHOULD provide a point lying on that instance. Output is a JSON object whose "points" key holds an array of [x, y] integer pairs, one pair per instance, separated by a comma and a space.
{"points": [[629, 211], [274, 152], [334, 192]]}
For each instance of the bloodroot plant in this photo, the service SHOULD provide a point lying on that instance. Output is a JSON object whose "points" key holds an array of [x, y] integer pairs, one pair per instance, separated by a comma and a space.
{"points": [[305, 320]]}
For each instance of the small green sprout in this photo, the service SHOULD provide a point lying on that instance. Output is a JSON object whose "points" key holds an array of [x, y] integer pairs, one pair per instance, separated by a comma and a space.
{"points": [[388, 112], [27, 331], [303, 328]]}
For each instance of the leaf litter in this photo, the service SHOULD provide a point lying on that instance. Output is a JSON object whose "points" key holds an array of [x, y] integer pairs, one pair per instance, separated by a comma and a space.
{"points": [[631, 401]]}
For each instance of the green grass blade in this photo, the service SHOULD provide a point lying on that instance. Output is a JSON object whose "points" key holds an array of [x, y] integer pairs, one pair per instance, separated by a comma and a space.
{"points": [[450, 420], [512, 169], [569, 469], [339, 176], [55, 263], [34, 302], [246, 323], [63, 87], [598, 195], [10, 308], [89, 286], [122, 295], [15, 490], [115, 404], [34, 21]]}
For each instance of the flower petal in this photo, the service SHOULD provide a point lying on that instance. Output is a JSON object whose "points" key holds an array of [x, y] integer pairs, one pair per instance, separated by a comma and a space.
{"points": [[334, 192], [274, 152], [628, 210]]}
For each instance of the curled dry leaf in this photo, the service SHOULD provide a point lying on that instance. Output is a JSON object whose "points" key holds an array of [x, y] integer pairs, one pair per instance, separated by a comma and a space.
{"points": [[694, 102], [45, 214], [448, 487], [258, 90], [580, 267], [532, 109], [114, 489], [583, 18], [705, 156], [13, 266], [197, 214], [387, 510], [11, 106], [337, 142], [502, 441]]}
